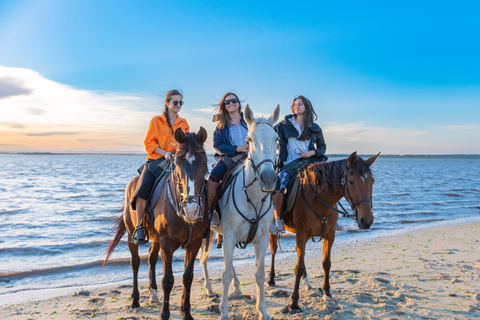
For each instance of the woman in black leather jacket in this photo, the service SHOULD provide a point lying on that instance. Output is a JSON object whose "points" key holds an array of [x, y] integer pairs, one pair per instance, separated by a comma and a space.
{"points": [[299, 138]]}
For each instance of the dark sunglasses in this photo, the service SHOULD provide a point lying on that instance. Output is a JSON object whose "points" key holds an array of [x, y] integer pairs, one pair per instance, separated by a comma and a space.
{"points": [[176, 103], [227, 102]]}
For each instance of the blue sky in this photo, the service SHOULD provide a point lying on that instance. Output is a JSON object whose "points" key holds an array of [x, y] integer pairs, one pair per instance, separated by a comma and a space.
{"points": [[397, 77]]}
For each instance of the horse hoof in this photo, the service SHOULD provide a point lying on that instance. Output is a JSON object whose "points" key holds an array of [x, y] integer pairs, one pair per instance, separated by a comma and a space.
{"points": [[135, 305], [271, 284], [154, 296], [327, 298], [213, 295], [294, 310]]}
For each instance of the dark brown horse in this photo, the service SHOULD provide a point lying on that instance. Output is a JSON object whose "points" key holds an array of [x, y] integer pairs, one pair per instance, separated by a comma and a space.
{"points": [[322, 185], [181, 222]]}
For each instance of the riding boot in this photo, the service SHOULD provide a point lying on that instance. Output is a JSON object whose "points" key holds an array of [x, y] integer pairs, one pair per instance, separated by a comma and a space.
{"points": [[140, 233], [278, 201], [211, 192]]}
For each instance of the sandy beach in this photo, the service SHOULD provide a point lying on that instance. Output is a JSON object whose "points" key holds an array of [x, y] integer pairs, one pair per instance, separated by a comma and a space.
{"points": [[427, 274]]}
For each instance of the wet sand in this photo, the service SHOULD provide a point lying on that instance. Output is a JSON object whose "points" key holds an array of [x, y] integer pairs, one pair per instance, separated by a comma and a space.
{"points": [[426, 274]]}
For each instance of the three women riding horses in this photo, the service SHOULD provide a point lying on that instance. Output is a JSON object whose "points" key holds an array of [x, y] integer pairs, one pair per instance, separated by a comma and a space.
{"points": [[299, 138]]}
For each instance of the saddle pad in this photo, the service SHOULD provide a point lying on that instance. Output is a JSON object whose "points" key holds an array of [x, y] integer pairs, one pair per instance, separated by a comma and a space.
{"points": [[291, 191], [228, 178], [157, 191]]}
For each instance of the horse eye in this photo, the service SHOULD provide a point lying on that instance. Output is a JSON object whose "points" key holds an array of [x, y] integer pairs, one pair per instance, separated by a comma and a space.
{"points": [[351, 182]]}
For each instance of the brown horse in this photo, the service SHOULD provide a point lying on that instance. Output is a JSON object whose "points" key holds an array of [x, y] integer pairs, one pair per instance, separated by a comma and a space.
{"points": [[181, 223], [313, 213]]}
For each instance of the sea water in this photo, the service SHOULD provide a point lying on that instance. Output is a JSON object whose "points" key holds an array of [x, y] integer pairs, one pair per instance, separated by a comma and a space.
{"points": [[57, 211]]}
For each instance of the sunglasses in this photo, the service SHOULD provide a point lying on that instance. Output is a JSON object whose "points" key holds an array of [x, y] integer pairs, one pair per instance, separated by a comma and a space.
{"points": [[227, 102], [176, 103]]}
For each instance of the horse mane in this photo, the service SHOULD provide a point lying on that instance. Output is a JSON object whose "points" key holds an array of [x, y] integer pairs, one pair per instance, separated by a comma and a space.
{"points": [[330, 174], [190, 144]]}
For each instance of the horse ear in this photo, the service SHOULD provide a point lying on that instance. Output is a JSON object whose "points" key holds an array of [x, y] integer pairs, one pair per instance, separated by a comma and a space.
{"points": [[201, 135], [249, 115], [179, 136], [372, 159], [275, 115], [352, 159]]}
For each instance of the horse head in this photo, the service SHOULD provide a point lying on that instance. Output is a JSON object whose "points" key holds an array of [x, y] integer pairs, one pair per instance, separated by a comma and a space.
{"points": [[189, 172], [358, 181], [262, 145]]}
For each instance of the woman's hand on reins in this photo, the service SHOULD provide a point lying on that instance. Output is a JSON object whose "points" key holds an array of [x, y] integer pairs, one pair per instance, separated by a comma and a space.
{"points": [[242, 148], [307, 154], [168, 156]]}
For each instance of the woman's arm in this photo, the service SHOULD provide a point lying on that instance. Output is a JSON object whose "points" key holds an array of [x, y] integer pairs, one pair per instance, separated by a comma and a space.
{"points": [[222, 146], [321, 145]]}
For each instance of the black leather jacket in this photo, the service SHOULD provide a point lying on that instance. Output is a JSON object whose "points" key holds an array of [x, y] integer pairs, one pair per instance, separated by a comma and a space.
{"points": [[285, 130]]}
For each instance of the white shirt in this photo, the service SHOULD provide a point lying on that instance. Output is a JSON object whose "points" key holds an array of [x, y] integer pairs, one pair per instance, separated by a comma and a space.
{"points": [[295, 146]]}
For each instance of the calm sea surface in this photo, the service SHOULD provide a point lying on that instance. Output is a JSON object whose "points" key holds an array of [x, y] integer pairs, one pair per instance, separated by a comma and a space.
{"points": [[57, 211]]}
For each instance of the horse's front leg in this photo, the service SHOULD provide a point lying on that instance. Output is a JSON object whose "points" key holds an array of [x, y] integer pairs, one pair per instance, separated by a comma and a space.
{"points": [[273, 252], [168, 279], [228, 247], [299, 270], [190, 255], [152, 262], [260, 251], [203, 257], [135, 263], [327, 251]]}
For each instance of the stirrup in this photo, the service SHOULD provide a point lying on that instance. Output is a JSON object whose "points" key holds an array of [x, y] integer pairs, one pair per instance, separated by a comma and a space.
{"points": [[273, 229], [215, 218], [279, 225], [138, 236]]}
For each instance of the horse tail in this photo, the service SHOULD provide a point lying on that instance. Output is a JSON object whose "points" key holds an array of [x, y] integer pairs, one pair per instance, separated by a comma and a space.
{"points": [[121, 229]]}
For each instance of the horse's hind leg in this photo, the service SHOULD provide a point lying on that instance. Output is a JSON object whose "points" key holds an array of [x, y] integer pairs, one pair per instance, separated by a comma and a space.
{"points": [[260, 250], [152, 262], [190, 254], [327, 250], [236, 284], [299, 270], [168, 279], [135, 263], [306, 280], [273, 252]]}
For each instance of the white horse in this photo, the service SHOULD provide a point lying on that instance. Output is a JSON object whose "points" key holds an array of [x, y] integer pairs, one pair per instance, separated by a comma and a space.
{"points": [[247, 209]]}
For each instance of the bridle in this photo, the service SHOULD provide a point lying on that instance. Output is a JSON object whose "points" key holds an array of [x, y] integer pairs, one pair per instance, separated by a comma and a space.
{"points": [[353, 205], [343, 212], [184, 199], [258, 215]]}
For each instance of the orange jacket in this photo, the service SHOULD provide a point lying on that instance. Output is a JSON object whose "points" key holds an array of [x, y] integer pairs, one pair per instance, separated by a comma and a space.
{"points": [[160, 135]]}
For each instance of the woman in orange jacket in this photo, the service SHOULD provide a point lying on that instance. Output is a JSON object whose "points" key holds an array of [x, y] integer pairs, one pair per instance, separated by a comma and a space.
{"points": [[160, 144]]}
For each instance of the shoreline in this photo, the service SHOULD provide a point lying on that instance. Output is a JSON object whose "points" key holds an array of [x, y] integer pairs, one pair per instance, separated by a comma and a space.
{"points": [[431, 272]]}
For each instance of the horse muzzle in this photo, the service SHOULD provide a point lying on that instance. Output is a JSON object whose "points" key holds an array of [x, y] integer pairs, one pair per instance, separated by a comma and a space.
{"points": [[191, 211], [267, 180]]}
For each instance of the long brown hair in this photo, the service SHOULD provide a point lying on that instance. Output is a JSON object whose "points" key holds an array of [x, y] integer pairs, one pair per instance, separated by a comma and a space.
{"points": [[221, 114], [168, 97], [308, 118]]}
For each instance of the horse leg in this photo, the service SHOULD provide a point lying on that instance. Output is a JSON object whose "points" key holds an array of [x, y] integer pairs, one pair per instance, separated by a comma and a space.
{"points": [[299, 270], [327, 250], [203, 257], [167, 280], [273, 252], [236, 284], [190, 254], [152, 262], [135, 263], [306, 280], [260, 251], [228, 247]]}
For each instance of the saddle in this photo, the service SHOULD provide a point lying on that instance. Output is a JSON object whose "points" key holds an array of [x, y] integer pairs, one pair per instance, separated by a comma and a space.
{"points": [[232, 164]]}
